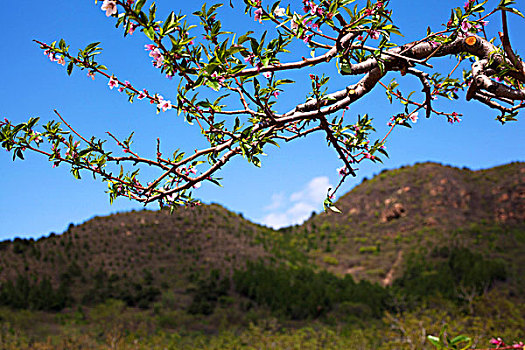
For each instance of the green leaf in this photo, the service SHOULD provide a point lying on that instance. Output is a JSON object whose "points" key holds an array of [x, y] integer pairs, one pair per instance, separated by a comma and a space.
{"points": [[19, 154], [334, 209], [169, 24], [150, 33], [214, 85], [462, 339], [215, 181], [139, 4], [284, 81], [70, 68], [435, 341], [237, 69], [91, 46], [62, 44]]}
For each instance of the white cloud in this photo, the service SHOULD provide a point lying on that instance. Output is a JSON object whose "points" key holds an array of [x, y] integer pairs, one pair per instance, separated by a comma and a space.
{"points": [[277, 201], [315, 191], [299, 206], [275, 220]]}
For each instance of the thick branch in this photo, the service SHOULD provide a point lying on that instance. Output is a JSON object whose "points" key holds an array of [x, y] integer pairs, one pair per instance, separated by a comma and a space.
{"points": [[301, 64], [508, 48]]}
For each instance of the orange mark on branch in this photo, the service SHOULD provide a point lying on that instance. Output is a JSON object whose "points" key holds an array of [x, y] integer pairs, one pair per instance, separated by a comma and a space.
{"points": [[471, 40]]}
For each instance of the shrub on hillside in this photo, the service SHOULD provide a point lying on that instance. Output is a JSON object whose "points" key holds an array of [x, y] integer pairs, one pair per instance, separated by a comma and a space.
{"points": [[301, 293], [452, 270]]}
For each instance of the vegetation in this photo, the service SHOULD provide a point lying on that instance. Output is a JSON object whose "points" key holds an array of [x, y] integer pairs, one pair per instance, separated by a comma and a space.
{"points": [[24, 294], [458, 273], [207, 278], [300, 293]]}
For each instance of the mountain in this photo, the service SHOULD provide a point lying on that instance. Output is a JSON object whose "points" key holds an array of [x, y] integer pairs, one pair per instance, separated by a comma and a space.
{"points": [[126, 250], [421, 206], [386, 222]]}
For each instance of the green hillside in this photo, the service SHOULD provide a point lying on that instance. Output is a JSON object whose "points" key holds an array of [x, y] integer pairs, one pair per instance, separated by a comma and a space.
{"points": [[417, 207], [414, 248]]}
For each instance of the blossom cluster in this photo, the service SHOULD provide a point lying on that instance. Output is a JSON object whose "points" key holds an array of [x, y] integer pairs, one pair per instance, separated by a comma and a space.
{"points": [[309, 7], [154, 52], [162, 104], [312, 8], [401, 118], [53, 57], [370, 11], [499, 343], [453, 118], [110, 6]]}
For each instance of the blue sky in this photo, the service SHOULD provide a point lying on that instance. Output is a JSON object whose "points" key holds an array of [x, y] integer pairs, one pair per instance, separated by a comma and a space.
{"points": [[37, 199]]}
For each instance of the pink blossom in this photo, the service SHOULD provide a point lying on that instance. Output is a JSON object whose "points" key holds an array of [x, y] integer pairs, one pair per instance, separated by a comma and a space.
{"points": [[249, 58], [91, 75], [142, 95], [454, 118], [112, 82], [497, 341], [374, 34], [257, 15], [413, 117], [156, 54], [279, 11], [38, 137], [171, 197], [157, 64], [132, 28], [52, 56], [483, 23], [316, 27], [267, 75], [219, 78], [197, 185], [149, 47], [61, 60], [294, 25], [163, 104], [468, 3], [110, 6], [342, 170], [275, 94], [465, 26], [479, 26], [313, 8]]}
